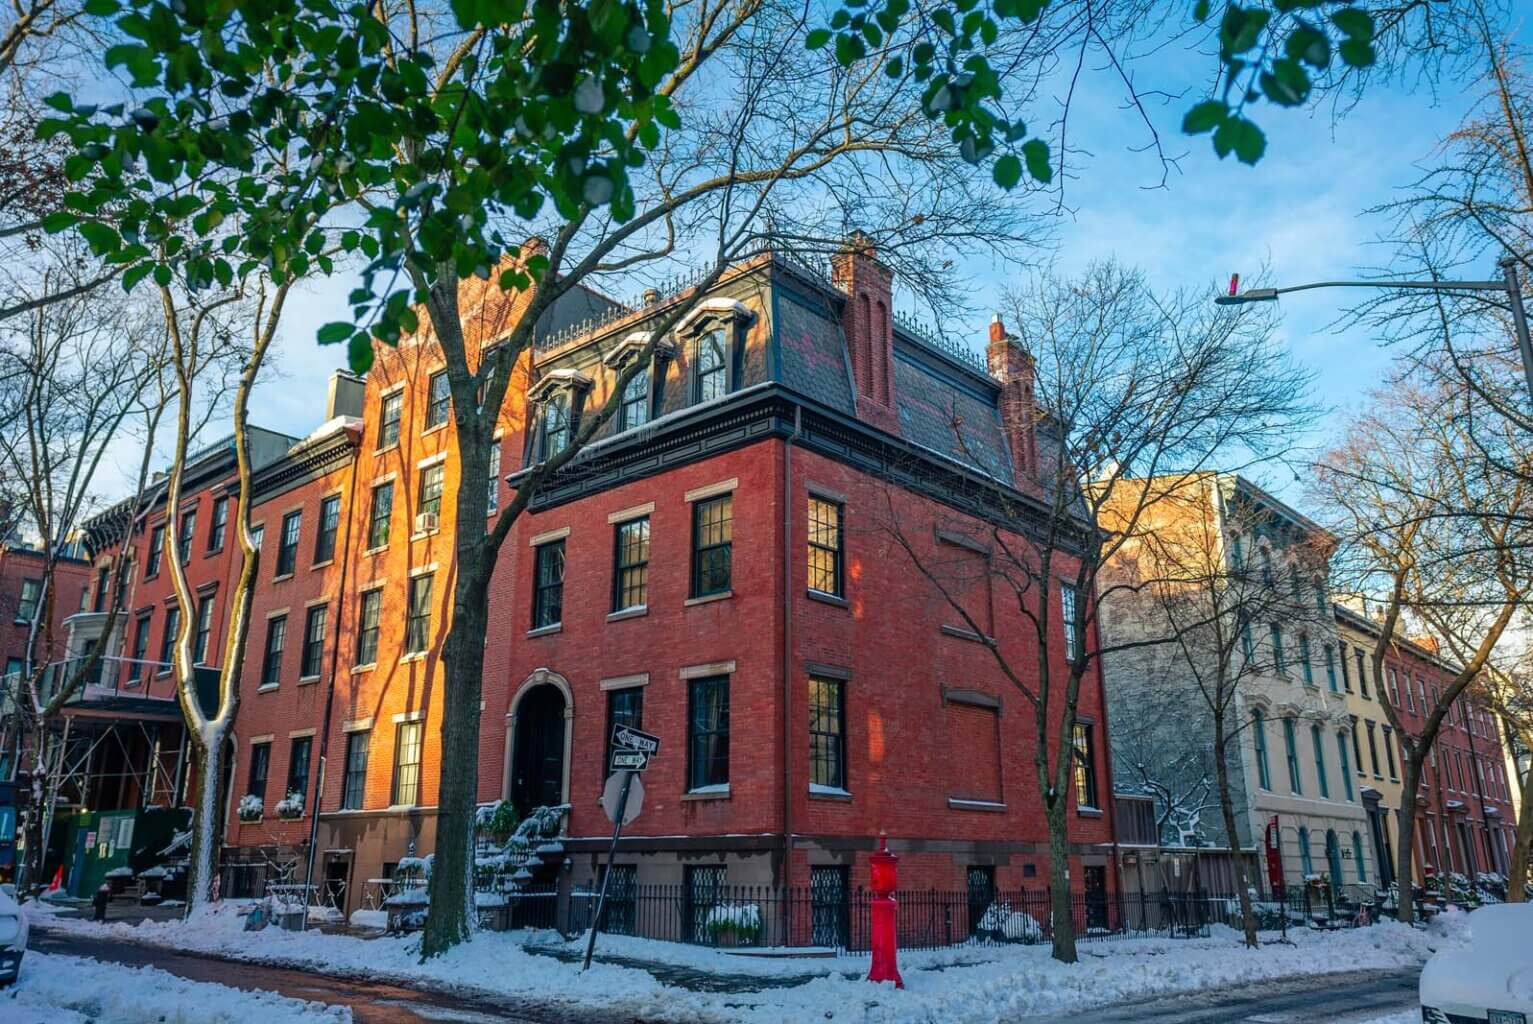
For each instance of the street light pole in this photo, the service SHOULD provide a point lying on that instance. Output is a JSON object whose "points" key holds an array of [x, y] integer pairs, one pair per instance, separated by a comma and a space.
{"points": [[1508, 285]]}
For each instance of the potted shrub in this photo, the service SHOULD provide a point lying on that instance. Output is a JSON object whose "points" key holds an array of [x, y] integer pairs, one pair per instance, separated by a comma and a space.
{"points": [[250, 808], [290, 806], [737, 925]]}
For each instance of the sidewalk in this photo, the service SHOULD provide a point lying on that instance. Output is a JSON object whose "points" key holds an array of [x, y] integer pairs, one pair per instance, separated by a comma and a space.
{"points": [[649, 980]]}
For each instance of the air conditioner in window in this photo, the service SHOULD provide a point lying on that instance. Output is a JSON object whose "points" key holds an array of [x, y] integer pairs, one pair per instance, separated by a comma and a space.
{"points": [[427, 522]]}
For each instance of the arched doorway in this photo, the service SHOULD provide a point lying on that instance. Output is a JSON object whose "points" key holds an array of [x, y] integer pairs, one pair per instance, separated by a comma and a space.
{"points": [[537, 749]]}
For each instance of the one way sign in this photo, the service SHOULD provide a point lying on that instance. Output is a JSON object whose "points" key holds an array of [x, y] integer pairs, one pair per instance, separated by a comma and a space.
{"points": [[629, 760], [629, 738]]}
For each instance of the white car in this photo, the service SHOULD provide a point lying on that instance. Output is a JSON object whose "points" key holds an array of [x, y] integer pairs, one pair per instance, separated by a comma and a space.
{"points": [[13, 937], [1490, 979]]}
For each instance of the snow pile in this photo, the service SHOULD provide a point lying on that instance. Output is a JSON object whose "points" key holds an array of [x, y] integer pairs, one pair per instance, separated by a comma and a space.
{"points": [[290, 806], [75, 990], [251, 808]]}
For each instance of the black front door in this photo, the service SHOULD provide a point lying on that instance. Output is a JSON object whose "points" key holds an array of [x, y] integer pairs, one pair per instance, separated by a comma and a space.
{"points": [[537, 765], [1096, 896]]}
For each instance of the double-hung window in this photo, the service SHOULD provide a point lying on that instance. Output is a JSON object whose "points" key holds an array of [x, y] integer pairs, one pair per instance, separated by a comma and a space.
{"points": [[1259, 730], [388, 422], [31, 597], [1291, 749], [367, 627], [168, 637], [329, 526], [220, 525], [630, 572], [635, 408], [1308, 669], [260, 766], [712, 375], [287, 547], [712, 545], [1279, 665], [1330, 668], [1346, 769], [313, 642], [298, 768], [1085, 767], [156, 551], [204, 630], [418, 615], [438, 400], [276, 639], [407, 764], [429, 498], [492, 497], [825, 538], [354, 787], [187, 535], [1070, 619], [548, 584], [708, 733], [1320, 773], [381, 513], [827, 733], [624, 707], [556, 424]]}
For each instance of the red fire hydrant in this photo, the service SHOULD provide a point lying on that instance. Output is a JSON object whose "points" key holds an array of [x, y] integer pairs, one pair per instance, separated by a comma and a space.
{"points": [[884, 909]]}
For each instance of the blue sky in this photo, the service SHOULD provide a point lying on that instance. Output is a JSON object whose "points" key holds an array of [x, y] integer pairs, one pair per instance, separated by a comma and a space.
{"points": [[1300, 213]]}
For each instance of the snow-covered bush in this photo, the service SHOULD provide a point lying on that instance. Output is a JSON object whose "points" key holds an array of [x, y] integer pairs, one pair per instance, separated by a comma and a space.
{"points": [[733, 924], [496, 821], [290, 806], [1000, 923], [251, 808]]}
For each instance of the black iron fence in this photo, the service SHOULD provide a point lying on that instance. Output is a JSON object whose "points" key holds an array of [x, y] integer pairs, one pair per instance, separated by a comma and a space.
{"points": [[841, 921]]}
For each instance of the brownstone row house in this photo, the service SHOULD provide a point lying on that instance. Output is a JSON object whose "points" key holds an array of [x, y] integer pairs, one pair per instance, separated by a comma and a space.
{"points": [[716, 569]]}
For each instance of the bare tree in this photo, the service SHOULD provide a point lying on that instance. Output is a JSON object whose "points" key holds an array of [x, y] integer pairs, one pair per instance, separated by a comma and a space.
{"points": [[1505, 690], [1136, 396], [1432, 500], [206, 331]]}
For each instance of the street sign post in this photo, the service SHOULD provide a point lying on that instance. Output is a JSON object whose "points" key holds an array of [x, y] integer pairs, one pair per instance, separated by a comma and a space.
{"points": [[631, 753]]}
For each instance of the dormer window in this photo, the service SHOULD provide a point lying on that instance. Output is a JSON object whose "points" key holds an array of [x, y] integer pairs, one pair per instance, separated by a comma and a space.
{"points": [[716, 333], [641, 395], [556, 424], [635, 410], [711, 378], [560, 393]]}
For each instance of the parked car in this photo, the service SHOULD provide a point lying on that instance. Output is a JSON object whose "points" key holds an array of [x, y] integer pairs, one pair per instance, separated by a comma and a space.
{"points": [[1490, 979], [13, 937]]}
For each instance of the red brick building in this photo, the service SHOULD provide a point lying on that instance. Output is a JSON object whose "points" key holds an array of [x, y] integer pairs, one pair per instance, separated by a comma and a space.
{"points": [[25, 639], [665, 581], [1466, 812], [717, 569]]}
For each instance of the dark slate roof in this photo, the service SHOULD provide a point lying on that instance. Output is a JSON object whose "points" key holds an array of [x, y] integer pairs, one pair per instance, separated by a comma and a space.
{"points": [[947, 415], [812, 351]]}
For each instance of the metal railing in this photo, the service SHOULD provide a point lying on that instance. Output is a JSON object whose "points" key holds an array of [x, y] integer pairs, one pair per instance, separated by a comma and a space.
{"points": [[766, 916]]}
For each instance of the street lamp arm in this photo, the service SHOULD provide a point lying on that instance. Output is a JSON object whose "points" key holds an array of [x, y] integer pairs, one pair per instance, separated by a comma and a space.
{"points": [[1508, 287], [1270, 294]]}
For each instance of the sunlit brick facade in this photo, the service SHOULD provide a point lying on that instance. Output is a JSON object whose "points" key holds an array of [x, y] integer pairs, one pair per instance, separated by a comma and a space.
{"points": [[718, 569]]}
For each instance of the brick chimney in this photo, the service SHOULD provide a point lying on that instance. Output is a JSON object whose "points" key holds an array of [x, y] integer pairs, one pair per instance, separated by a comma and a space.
{"points": [[865, 320], [1012, 364]]}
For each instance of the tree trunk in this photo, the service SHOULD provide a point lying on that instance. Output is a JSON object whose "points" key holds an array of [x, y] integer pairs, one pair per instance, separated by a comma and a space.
{"points": [[206, 820], [1232, 835], [1055, 811], [1517, 877], [450, 918], [1405, 905]]}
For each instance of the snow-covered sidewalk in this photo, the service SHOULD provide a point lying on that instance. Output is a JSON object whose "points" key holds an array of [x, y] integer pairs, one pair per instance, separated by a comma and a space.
{"points": [[73, 990], [964, 985]]}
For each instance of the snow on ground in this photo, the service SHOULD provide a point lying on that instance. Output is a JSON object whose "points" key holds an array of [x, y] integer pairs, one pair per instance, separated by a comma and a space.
{"points": [[73, 990], [962, 986]]}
